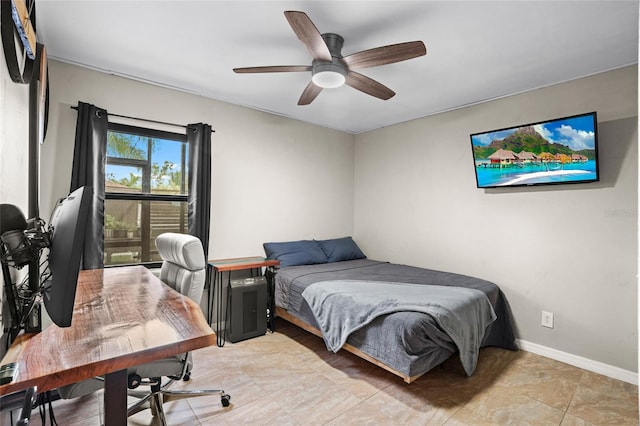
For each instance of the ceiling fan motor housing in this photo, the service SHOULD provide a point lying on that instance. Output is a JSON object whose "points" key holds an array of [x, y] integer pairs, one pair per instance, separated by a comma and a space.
{"points": [[330, 74]]}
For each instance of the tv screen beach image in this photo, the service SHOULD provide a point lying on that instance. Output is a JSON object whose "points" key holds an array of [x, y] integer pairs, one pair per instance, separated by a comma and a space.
{"points": [[563, 150]]}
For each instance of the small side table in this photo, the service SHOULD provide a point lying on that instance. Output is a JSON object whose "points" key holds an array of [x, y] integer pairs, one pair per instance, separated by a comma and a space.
{"points": [[217, 267]]}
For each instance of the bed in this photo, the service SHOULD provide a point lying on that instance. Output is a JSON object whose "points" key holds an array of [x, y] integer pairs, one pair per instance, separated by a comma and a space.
{"points": [[404, 319]]}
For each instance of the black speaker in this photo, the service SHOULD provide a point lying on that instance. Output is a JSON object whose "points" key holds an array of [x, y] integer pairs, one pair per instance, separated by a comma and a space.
{"points": [[248, 308]]}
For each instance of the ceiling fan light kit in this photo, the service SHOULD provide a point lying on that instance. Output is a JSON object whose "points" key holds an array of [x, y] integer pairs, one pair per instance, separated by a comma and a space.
{"points": [[330, 69], [328, 75]]}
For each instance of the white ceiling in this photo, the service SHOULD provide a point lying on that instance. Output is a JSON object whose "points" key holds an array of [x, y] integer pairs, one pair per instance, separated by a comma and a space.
{"points": [[476, 50]]}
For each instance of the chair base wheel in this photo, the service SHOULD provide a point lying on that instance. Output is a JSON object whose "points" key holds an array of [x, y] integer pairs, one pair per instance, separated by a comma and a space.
{"points": [[225, 400]]}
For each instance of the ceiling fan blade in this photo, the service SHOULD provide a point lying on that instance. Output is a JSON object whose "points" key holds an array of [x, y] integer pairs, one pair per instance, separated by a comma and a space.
{"points": [[308, 35], [386, 55], [309, 94], [277, 68], [368, 85]]}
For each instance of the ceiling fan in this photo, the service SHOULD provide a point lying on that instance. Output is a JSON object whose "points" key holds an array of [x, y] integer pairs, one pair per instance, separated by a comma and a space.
{"points": [[330, 69]]}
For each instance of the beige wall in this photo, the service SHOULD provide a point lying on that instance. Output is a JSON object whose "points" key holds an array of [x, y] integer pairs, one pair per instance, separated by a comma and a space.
{"points": [[273, 178], [14, 139], [571, 250], [14, 148], [406, 192]]}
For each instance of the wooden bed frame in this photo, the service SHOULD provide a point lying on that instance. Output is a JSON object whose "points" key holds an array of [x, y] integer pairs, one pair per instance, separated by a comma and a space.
{"points": [[282, 313]]}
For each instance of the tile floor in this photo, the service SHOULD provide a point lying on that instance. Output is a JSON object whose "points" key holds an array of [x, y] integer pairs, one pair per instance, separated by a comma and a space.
{"points": [[289, 378]]}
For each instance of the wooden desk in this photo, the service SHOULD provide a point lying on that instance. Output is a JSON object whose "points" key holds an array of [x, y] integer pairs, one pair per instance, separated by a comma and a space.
{"points": [[215, 281], [122, 317]]}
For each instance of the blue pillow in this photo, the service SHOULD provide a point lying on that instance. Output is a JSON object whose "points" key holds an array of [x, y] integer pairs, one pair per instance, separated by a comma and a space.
{"points": [[340, 249], [293, 253]]}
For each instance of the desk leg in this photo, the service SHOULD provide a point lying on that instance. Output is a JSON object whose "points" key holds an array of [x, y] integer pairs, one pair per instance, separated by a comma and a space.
{"points": [[115, 398], [210, 294], [217, 282], [271, 300], [227, 310]]}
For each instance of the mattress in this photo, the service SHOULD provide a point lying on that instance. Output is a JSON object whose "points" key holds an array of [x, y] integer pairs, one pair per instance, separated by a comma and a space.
{"points": [[409, 343]]}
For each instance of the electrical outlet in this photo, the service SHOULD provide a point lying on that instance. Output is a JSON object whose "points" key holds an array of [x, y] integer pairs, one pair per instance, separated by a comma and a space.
{"points": [[547, 319]]}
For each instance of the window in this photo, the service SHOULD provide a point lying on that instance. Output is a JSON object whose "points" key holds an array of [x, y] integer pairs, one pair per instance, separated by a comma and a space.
{"points": [[145, 192]]}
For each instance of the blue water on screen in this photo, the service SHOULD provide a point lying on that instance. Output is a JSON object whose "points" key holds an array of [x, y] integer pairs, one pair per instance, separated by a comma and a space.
{"points": [[495, 176]]}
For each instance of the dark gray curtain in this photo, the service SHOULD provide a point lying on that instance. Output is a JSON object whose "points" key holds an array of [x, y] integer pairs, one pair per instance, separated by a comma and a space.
{"points": [[199, 138], [89, 156]]}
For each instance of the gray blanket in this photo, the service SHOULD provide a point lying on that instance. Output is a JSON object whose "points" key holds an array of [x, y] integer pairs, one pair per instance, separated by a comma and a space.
{"points": [[411, 343], [344, 306]]}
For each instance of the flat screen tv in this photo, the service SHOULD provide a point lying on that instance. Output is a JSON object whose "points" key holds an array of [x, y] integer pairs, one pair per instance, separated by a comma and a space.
{"points": [[68, 224], [558, 151]]}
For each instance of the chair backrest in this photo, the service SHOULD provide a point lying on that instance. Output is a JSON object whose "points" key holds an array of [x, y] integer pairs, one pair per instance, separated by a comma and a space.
{"points": [[183, 263]]}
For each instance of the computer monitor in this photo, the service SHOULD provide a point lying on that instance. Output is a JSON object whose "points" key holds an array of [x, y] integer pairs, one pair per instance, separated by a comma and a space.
{"points": [[68, 224]]}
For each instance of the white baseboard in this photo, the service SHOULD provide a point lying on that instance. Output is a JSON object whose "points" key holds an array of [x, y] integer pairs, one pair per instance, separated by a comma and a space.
{"points": [[580, 362]]}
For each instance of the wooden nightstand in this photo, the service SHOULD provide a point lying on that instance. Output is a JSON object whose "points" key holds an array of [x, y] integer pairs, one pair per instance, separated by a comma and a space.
{"points": [[215, 270]]}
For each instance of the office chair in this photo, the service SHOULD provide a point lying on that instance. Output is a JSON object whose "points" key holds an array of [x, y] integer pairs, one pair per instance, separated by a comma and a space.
{"points": [[183, 269]]}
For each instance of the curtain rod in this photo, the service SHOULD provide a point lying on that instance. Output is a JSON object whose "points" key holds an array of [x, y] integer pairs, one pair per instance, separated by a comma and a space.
{"points": [[144, 119]]}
